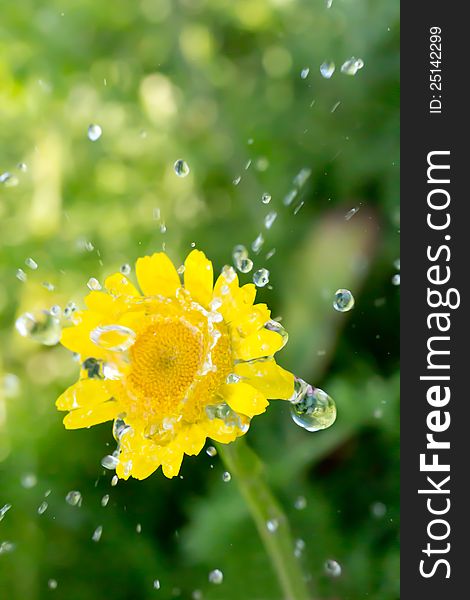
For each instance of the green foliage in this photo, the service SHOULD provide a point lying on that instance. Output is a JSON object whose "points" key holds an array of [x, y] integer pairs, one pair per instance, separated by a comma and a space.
{"points": [[216, 82]]}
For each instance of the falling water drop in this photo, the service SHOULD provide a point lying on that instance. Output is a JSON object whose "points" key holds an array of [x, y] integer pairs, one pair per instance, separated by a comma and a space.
{"points": [[269, 219], [258, 243], [31, 263], [352, 65], [105, 500], [4, 510], [42, 507], [216, 576], [93, 284], [332, 568], [266, 198], [311, 408], [21, 275], [94, 132], [125, 269], [272, 525], [52, 584], [74, 498], [181, 168], [343, 301], [211, 451], [156, 584], [39, 326], [261, 277], [396, 279], [226, 477], [304, 73], [109, 462], [97, 533], [327, 69]]}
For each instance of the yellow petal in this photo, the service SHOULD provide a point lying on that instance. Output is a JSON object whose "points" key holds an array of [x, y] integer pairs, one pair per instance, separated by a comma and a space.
{"points": [[247, 294], [77, 338], [199, 277], [268, 377], [157, 275], [244, 399], [83, 394], [103, 303], [219, 431], [171, 457], [138, 457], [119, 285], [86, 417], [257, 345], [192, 439], [251, 319]]}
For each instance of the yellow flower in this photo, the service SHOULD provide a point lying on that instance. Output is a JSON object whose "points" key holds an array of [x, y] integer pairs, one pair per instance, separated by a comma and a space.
{"points": [[172, 365]]}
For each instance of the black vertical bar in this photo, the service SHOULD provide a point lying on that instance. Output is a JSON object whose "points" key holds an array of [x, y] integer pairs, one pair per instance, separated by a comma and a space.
{"points": [[434, 118]]}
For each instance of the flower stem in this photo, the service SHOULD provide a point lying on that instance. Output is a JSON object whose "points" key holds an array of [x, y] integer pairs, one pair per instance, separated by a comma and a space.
{"points": [[271, 522]]}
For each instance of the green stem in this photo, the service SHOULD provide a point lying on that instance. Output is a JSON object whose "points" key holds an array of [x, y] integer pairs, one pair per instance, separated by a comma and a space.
{"points": [[245, 466]]}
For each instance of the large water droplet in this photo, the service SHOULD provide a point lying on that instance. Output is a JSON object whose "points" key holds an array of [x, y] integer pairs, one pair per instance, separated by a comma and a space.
{"points": [[181, 168], [156, 584], [261, 277], [94, 132], [40, 326], [352, 65], [216, 576], [311, 408], [327, 69], [74, 498], [115, 338], [344, 300]]}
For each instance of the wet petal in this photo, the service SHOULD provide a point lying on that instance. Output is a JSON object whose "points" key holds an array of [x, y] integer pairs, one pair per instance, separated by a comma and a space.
{"points": [[86, 417], [77, 338], [119, 285], [192, 439], [157, 275], [268, 377], [257, 345], [217, 430], [244, 399], [251, 319], [83, 394], [199, 277], [138, 457]]}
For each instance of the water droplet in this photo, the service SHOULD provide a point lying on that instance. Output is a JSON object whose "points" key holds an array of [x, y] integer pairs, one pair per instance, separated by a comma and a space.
{"points": [[9, 180], [156, 584], [115, 338], [272, 525], [378, 510], [258, 243], [300, 503], [351, 213], [109, 462], [298, 207], [352, 65], [266, 198], [396, 264], [114, 480], [52, 584], [22, 167], [42, 507], [289, 197], [278, 328], [226, 477], [29, 480], [21, 275], [301, 178], [299, 548], [269, 219], [181, 168], [304, 73], [94, 132], [271, 253], [344, 300], [39, 326], [74, 498], [211, 451], [237, 180], [396, 279], [4, 510], [327, 69], [311, 408], [6, 547], [49, 286], [70, 309], [228, 273], [31, 263], [138, 528], [105, 500], [244, 265], [216, 576], [329, 3], [55, 310], [261, 277], [93, 284], [332, 568], [125, 269], [97, 533]]}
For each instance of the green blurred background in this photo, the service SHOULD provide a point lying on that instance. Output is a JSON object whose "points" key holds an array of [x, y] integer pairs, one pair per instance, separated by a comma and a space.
{"points": [[217, 83]]}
